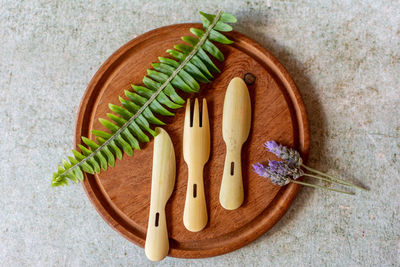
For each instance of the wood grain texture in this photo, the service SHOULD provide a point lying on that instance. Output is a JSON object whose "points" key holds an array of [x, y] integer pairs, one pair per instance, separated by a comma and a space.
{"points": [[121, 195]]}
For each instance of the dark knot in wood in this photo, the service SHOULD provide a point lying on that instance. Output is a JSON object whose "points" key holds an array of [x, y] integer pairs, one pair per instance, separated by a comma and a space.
{"points": [[249, 78]]}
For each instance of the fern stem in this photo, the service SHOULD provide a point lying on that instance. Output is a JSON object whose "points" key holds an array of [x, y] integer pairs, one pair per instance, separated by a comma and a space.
{"points": [[151, 99]]}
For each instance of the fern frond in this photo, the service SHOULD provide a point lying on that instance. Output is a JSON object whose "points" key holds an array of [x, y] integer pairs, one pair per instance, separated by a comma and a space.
{"points": [[130, 123]]}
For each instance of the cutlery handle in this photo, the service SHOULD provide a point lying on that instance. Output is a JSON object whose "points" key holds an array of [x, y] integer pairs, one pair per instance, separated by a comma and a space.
{"points": [[195, 212], [231, 194], [157, 243]]}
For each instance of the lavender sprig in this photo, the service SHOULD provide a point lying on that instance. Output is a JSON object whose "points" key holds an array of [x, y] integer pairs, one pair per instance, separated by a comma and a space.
{"points": [[293, 157], [282, 173]]}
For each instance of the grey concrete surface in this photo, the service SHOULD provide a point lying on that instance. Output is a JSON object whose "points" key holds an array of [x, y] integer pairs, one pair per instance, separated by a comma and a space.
{"points": [[344, 57]]}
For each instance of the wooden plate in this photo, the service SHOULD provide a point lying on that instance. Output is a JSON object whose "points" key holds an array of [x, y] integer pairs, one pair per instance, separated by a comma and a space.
{"points": [[122, 194]]}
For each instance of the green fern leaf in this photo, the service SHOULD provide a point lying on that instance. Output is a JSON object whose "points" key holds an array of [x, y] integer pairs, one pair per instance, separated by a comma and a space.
{"points": [[131, 121]]}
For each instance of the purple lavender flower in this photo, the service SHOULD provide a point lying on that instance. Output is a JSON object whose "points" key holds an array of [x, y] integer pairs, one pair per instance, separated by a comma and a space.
{"points": [[273, 147], [260, 169], [278, 167], [285, 153], [279, 172]]}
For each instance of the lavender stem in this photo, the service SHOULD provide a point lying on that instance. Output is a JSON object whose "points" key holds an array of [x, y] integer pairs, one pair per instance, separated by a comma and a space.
{"points": [[333, 179], [329, 180], [321, 187]]}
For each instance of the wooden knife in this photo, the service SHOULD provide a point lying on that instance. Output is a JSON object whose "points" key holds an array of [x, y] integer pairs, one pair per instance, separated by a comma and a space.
{"points": [[162, 185]]}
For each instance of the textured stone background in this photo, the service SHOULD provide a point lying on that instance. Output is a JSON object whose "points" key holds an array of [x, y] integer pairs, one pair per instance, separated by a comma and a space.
{"points": [[344, 57]]}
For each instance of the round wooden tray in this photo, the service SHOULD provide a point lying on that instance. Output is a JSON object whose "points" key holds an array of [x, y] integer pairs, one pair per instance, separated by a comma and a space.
{"points": [[122, 194]]}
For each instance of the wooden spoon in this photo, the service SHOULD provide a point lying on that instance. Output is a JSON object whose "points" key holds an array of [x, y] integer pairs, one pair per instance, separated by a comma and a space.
{"points": [[236, 122]]}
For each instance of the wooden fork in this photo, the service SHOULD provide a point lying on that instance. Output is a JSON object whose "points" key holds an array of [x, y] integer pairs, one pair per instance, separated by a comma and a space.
{"points": [[196, 151]]}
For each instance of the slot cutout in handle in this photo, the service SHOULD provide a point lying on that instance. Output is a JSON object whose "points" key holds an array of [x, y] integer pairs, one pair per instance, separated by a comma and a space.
{"points": [[157, 219], [232, 168], [194, 190]]}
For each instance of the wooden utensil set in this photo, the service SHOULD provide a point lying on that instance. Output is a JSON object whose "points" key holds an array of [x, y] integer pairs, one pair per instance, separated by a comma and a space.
{"points": [[196, 151]]}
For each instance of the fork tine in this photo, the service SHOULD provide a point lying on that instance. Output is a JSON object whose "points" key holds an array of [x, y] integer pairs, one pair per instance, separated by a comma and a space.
{"points": [[187, 114], [196, 114], [204, 115]]}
